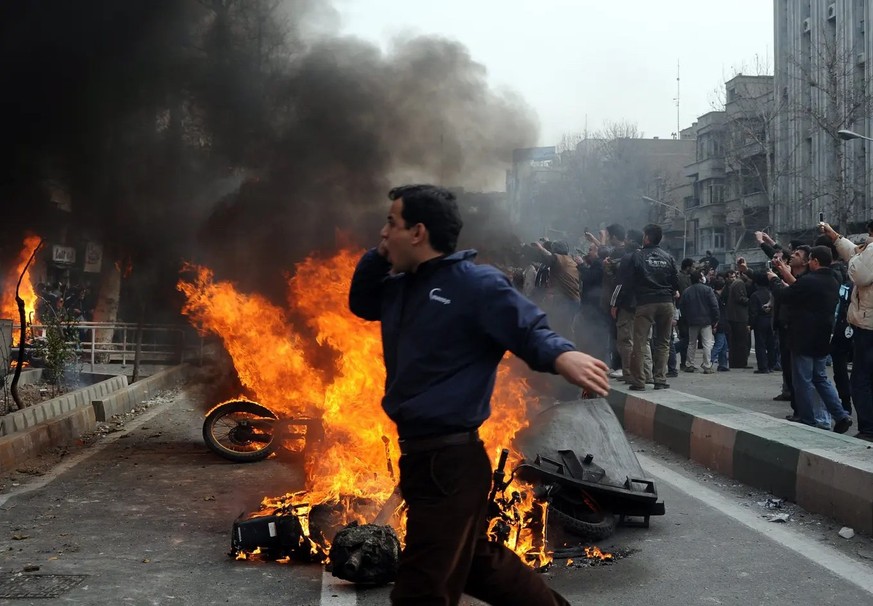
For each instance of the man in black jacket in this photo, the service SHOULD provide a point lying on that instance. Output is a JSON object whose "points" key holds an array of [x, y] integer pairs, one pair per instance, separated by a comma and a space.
{"points": [[699, 307], [654, 283], [798, 266], [812, 301]]}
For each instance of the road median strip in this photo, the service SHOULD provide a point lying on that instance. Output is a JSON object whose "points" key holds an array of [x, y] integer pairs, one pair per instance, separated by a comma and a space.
{"points": [[823, 472]]}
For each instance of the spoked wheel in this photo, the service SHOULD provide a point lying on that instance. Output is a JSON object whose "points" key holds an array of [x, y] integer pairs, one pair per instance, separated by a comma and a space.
{"points": [[240, 431], [581, 519]]}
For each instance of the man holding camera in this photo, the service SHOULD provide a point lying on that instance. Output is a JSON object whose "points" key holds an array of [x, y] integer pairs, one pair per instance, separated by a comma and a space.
{"points": [[811, 303], [860, 316]]}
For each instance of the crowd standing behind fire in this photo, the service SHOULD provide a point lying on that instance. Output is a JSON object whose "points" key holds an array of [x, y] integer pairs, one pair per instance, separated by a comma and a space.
{"points": [[810, 308]]}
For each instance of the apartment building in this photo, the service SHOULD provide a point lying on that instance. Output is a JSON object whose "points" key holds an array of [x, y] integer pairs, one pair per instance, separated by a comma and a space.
{"points": [[823, 84]]}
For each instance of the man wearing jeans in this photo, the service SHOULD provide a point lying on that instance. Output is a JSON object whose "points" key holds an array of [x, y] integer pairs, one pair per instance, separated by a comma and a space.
{"points": [[655, 285], [699, 306], [812, 302], [860, 317]]}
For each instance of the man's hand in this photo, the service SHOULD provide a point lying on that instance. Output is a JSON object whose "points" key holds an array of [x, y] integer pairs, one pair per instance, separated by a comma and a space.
{"points": [[759, 236], [584, 371], [829, 231]]}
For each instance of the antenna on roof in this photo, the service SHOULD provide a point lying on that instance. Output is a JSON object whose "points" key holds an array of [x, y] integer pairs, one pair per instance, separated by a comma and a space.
{"points": [[678, 121]]}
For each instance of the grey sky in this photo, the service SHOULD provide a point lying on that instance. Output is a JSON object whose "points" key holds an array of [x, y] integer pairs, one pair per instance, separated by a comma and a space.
{"points": [[610, 60]]}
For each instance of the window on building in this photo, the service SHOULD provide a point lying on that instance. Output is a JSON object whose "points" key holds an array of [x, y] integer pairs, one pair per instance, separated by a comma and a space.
{"points": [[716, 193], [718, 239]]}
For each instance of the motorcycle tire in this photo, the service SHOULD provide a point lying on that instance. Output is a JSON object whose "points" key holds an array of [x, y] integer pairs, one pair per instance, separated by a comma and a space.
{"points": [[591, 526], [227, 433]]}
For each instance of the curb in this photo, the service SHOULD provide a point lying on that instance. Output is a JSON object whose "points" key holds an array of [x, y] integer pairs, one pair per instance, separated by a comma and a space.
{"points": [[823, 472], [125, 400], [61, 421]]}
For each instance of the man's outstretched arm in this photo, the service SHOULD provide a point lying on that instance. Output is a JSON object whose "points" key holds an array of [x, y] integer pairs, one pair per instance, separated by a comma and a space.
{"points": [[521, 327]]}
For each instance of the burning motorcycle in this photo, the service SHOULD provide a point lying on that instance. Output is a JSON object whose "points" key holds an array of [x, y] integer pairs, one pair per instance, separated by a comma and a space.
{"points": [[243, 431]]}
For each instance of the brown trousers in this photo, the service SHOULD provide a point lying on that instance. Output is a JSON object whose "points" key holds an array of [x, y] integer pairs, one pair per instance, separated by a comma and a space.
{"points": [[447, 552], [657, 317]]}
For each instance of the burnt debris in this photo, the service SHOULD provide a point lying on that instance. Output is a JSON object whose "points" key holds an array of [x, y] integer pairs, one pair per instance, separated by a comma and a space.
{"points": [[365, 555]]}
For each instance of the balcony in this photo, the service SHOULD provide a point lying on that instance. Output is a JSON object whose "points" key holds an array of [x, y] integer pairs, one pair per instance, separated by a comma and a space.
{"points": [[740, 210], [710, 168]]}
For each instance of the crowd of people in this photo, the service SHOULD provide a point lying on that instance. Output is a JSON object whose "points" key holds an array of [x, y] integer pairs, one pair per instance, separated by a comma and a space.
{"points": [[59, 302], [624, 300]]}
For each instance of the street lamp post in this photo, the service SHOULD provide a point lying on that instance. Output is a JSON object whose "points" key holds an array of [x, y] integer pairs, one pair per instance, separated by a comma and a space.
{"points": [[846, 135], [684, 217]]}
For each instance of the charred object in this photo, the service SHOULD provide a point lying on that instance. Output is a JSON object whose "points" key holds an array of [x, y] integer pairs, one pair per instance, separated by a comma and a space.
{"points": [[587, 492], [283, 533], [365, 555]]}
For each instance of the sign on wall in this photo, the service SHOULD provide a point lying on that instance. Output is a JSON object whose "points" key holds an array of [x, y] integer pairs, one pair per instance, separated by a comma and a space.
{"points": [[63, 254], [93, 257]]}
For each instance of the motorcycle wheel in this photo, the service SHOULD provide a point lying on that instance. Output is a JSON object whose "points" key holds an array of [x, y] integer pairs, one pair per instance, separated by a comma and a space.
{"points": [[587, 524], [236, 431]]}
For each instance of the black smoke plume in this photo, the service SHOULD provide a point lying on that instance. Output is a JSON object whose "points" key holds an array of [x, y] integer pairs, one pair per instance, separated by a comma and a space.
{"points": [[238, 133]]}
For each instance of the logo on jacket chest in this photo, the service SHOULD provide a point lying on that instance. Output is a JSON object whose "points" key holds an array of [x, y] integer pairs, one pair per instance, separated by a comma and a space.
{"points": [[434, 295]]}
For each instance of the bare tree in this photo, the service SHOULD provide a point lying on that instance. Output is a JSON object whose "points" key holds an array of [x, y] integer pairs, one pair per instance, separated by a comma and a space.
{"points": [[835, 93]]}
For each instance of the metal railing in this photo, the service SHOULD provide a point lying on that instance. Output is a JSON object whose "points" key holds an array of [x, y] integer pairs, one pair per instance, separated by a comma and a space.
{"points": [[106, 342]]}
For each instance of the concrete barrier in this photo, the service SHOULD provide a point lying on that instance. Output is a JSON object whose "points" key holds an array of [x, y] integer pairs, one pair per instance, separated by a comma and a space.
{"points": [[20, 420], [59, 431], [821, 471], [125, 400], [60, 421]]}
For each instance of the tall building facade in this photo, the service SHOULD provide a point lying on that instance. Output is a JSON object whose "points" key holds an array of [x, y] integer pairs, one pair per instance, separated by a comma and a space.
{"points": [[823, 84]]}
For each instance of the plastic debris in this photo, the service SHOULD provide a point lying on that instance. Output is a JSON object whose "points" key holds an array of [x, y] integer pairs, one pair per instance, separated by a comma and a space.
{"points": [[778, 517]]}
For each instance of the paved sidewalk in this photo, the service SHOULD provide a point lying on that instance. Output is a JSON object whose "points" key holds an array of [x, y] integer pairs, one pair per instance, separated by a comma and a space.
{"points": [[740, 432], [739, 387]]}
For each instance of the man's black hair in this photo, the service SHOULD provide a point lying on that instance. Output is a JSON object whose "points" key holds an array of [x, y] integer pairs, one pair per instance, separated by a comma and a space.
{"points": [[617, 231], [822, 254], [654, 233], [709, 253], [436, 209], [870, 228], [718, 283], [635, 236], [825, 240], [696, 277], [795, 244], [686, 263], [805, 249], [760, 279]]}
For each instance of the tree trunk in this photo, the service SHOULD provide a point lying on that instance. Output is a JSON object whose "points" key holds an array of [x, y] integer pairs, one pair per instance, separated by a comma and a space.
{"points": [[22, 318]]}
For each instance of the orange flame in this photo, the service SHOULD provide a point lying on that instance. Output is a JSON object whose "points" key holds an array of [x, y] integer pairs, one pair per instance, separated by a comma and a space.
{"points": [[274, 361], [8, 306]]}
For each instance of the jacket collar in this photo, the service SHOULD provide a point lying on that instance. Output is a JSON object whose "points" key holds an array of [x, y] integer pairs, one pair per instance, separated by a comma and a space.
{"points": [[428, 267]]}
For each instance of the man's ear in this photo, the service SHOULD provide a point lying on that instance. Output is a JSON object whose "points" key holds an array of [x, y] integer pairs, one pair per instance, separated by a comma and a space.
{"points": [[419, 233]]}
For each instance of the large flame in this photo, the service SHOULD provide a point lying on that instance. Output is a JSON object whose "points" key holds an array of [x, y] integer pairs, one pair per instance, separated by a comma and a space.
{"points": [[273, 360], [8, 306]]}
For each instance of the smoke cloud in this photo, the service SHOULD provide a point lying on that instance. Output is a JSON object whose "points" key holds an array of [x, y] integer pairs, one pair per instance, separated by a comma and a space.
{"points": [[240, 134]]}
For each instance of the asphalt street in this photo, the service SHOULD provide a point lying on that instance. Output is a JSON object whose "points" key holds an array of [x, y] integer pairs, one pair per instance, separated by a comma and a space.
{"points": [[144, 517]]}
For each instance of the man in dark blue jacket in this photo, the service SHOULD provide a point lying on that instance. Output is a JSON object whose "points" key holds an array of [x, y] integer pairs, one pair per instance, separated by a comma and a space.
{"points": [[446, 324]]}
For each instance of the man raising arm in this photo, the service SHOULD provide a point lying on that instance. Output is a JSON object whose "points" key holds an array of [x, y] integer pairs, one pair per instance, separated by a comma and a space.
{"points": [[446, 324]]}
